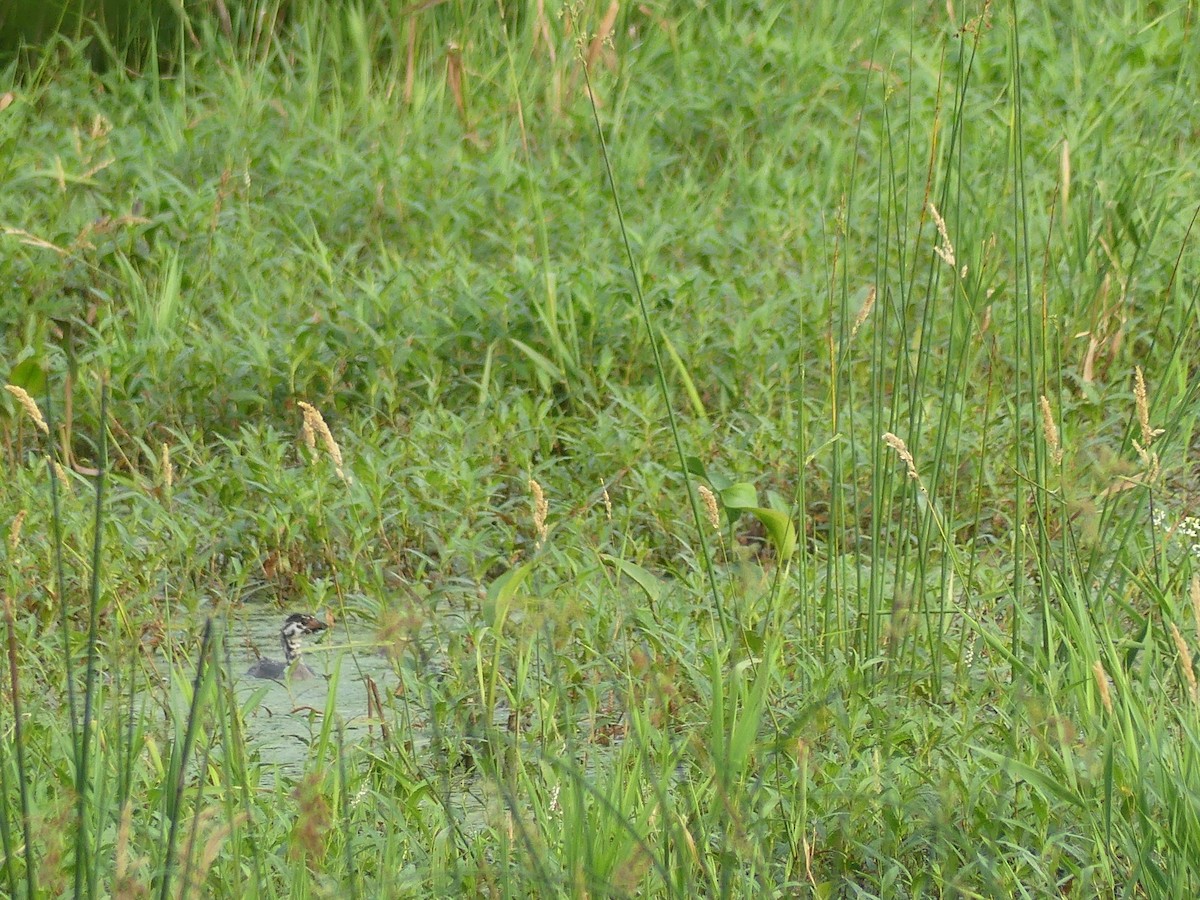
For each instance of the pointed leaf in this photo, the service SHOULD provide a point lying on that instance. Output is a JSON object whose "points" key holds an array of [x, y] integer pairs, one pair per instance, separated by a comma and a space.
{"points": [[1019, 771], [547, 372], [501, 592], [780, 530], [650, 585], [752, 639], [689, 386], [29, 375], [740, 496]]}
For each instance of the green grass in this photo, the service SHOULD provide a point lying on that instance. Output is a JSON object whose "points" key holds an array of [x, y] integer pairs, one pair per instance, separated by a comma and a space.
{"points": [[860, 683]]}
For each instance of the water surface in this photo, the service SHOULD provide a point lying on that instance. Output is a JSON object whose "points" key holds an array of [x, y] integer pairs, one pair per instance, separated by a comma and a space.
{"points": [[289, 715]]}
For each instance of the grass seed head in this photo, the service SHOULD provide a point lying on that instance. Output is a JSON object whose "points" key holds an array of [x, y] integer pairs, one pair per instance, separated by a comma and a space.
{"points": [[540, 510], [1185, 662], [126, 885], [215, 831], [454, 78], [168, 468], [61, 474], [897, 444], [944, 248], [607, 501], [50, 830], [313, 819], [1142, 404], [863, 313], [1102, 686], [604, 32], [314, 426], [14, 531], [30, 407], [1143, 408], [398, 630], [710, 506], [899, 620], [1050, 431]]}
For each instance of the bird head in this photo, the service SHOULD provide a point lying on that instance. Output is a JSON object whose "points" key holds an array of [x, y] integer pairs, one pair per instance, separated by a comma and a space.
{"points": [[303, 623]]}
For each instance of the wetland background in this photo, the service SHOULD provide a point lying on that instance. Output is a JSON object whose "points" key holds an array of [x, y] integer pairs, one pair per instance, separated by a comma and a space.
{"points": [[791, 494]]}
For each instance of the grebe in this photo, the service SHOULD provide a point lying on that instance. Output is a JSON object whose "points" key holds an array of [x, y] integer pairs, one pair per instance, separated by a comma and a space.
{"points": [[294, 628]]}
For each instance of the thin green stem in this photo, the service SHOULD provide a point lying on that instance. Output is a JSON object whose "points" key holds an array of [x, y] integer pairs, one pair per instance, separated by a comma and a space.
{"points": [[176, 777], [693, 499], [83, 864]]}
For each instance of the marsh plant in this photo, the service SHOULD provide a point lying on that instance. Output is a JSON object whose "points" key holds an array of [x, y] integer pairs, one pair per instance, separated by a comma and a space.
{"points": [[738, 449]]}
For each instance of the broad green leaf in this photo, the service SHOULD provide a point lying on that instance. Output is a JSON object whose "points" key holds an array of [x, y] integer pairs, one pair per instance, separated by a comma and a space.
{"points": [[719, 482], [650, 585], [30, 375], [780, 530], [752, 639], [501, 592], [740, 496], [749, 683]]}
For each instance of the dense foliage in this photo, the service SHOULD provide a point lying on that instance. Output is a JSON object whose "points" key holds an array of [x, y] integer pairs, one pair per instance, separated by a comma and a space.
{"points": [[334, 304]]}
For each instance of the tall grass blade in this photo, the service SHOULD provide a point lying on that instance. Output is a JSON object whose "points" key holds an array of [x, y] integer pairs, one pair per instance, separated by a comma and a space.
{"points": [[644, 308], [60, 579], [176, 776], [23, 773], [6, 838], [351, 878], [84, 866]]}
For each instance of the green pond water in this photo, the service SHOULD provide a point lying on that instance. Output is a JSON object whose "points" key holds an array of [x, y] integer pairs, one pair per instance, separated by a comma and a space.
{"points": [[288, 715], [284, 719]]}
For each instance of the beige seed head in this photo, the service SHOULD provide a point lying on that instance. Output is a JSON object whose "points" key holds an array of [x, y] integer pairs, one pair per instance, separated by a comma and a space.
{"points": [[1143, 409], [14, 531], [867, 306], [1050, 431], [540, 510], [1185, 662], [168, 467], [1102, 686], [314, 425], [944, 248], [217, 834], [1148, 434], [1151, 461], [61, 472], [897, 444], [30, 407], [607, 502], [710, 506], [1149, 457]]}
